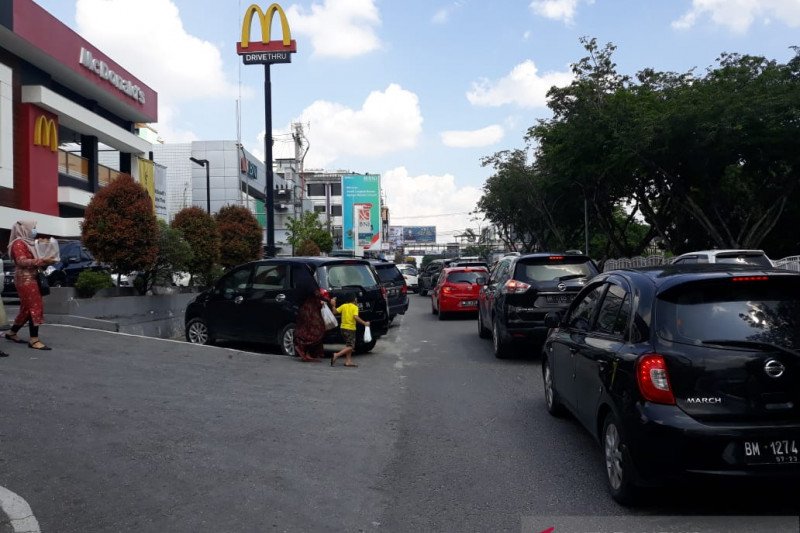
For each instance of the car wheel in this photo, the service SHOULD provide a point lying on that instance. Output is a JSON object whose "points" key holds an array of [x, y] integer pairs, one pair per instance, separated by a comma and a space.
{"points": [[551, 399], [483, 333], [500, 346], [286, 339], [57, 281], [366, 347], [197, 332], [441, 313], [619, 471]]}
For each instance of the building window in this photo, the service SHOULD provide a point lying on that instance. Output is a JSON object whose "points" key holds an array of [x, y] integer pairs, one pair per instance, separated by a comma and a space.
{"points": [[316, 189], [319, 208], [336, 210], [336, 189]]}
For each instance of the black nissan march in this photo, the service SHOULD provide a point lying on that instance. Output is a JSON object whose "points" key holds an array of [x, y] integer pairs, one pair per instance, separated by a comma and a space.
{"points": [[257, 302]]}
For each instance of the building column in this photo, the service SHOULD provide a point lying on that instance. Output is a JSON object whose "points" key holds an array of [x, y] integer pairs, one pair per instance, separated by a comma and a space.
{"points": [[89, 151], [125, 163]]}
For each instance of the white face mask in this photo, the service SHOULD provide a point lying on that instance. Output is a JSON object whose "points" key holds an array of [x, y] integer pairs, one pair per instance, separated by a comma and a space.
{"points": [[34, 233]]}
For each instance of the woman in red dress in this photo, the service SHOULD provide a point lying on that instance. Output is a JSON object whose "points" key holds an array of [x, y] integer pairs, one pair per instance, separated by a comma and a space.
{"points": [[22, 250], [309, 328]]}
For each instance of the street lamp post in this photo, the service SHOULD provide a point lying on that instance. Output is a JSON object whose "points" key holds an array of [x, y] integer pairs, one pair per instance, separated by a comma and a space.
{"points": [[204, 163]]}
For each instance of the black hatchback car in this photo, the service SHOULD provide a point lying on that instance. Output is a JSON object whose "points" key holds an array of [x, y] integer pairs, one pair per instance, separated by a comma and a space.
{"points": [[522, 289], [395, 284], [256, 302], [682, 370]]}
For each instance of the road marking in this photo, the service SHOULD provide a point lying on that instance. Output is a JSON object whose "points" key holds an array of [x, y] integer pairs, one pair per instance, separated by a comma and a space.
{"points": [[19, 512]]}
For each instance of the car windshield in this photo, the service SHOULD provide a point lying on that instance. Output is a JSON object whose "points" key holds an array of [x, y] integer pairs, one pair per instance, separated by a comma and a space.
{"points": [[389, 273], [546, 269], [744, 259], [762, 310], [464, 277], [408, 270], [345, 275]]}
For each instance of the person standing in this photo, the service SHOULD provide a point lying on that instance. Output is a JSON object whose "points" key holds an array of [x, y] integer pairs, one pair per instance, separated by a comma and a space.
{"points": [[349, 312], [310, 327], [22, 250]]}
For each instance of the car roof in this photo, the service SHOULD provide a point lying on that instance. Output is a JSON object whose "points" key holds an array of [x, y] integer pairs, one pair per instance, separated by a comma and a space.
{"points": [[665, 276], [538, 255], [468, 268], [726, 251], [316, 261], [377, 263]]}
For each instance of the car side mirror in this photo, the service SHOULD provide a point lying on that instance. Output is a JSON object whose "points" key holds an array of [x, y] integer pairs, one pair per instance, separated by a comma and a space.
{"points": [[552, 319], [480, 281]]}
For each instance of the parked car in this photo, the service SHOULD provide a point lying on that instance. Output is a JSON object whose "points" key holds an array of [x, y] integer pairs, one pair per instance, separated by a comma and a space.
{"points": [[395, 285], [410, 274], [456, 290], [738, 257], [522, 289], [682, 370], [429, 275], [75, 258], [257, 301], [9, 287]]}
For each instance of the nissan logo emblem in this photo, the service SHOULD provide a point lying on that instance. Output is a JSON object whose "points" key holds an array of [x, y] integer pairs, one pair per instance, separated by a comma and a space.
{"points": [[561, 286], [774, 368]]}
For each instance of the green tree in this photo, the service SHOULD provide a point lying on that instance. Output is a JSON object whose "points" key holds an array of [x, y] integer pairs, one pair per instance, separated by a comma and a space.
{"points": [[308, 228], [240, 235], [174, 255], [200, 231], [119, 226], [307, 249]]}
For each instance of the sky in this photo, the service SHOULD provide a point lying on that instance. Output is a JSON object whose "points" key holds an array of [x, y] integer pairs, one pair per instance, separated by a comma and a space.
{"points": [[416, 91]]}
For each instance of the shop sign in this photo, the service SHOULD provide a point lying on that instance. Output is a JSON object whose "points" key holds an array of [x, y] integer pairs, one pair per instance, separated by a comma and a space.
{"points": [[102, 69], [266, 51]]}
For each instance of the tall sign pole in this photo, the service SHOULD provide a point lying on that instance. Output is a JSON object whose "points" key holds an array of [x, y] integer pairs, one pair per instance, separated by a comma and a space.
{"points": [[265, 52]]}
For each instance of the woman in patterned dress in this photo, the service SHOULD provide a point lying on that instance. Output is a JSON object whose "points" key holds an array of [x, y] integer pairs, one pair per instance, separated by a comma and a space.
{"points": [[309, 327], [22, 250]]}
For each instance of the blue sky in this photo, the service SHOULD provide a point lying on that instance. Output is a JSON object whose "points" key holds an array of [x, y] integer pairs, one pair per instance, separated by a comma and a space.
{"points": [[418, 91]]}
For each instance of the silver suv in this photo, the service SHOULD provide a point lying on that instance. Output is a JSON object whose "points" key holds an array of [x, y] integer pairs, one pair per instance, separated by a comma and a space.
{"points": [[736, 257]]}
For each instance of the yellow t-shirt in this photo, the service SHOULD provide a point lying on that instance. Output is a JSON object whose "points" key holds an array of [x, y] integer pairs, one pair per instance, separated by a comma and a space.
{"points": [[349, 313]]}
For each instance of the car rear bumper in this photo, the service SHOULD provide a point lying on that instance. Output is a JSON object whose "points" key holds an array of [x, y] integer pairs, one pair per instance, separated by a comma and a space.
{"points": [[455, 304], [664, 443]]}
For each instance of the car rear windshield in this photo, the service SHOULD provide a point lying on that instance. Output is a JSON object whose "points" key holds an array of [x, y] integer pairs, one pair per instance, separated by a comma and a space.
{"points": [[352, 274], [755, 309], [555, 268], [408, 270], [744, 259], [389, 273], [465, 277]]}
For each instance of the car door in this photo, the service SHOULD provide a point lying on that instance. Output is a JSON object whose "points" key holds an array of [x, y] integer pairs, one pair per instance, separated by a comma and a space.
{"points": [[224, 311], [566, 343], [268, 303], [437, 288], [493, 290], [597, 353]]}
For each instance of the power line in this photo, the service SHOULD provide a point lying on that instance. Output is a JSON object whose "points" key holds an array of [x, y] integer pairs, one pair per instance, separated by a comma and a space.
{"points": [[432, 216]]}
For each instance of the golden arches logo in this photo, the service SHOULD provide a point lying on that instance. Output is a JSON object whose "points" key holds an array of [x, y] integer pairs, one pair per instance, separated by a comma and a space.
{"points": [[45, 133], [265, 19]]}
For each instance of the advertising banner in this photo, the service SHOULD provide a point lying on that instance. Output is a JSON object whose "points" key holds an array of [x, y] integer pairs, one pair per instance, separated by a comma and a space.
{"points": [[417, 234], [147, 178], [361, 220], [160, 191]]}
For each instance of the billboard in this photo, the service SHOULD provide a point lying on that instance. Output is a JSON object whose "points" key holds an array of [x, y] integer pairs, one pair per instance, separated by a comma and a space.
{"points": [[416, 234], [361, 212]]}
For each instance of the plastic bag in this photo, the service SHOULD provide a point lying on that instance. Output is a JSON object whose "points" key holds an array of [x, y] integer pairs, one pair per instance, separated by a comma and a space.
{"points": [[328, 318], [47, 248], [367, 335]]}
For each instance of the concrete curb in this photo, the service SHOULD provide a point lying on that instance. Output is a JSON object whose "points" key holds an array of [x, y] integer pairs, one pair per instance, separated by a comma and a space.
{"points": [[19, 512]]}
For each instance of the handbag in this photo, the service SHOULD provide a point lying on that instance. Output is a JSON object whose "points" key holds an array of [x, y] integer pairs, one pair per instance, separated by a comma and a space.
{"points": [[41, 281], [328, 317]]}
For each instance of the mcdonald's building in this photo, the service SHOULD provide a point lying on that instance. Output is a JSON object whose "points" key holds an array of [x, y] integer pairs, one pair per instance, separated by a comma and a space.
{"points": [[68, 121]]}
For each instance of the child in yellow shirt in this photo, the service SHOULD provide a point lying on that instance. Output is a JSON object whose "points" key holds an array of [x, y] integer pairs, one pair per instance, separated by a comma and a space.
{"points": [[349, 312]]}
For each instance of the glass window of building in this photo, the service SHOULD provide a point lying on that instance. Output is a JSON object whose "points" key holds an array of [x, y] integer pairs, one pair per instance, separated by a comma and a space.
{"points": [[316, 189], [319, 208], [336, 189], [336, 210]]}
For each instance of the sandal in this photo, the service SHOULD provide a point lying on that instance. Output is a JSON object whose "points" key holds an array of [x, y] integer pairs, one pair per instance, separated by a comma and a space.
{"points": [[333, 359], [3, 354], [42, 346], [13, 338], [351, 365]]}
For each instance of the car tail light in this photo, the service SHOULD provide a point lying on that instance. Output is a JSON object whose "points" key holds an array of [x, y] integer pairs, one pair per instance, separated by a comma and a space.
{"points": [[750, 278], [556, 258], [513, 286], [384, 293], [404, 289], [447, 289], [325, 293], [653, 379]]}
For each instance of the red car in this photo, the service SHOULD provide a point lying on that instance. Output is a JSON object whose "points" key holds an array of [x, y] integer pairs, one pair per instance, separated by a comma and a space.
{"points": [[456, 290]]}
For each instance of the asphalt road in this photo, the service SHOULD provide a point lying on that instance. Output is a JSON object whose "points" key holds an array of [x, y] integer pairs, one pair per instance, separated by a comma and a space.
{"points": [[116, 433]]}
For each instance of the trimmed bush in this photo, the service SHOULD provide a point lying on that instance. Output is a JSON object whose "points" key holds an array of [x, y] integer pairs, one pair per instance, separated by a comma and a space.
{"points": [[240, 235], [200, 231], [91, 281], [307, 249]]}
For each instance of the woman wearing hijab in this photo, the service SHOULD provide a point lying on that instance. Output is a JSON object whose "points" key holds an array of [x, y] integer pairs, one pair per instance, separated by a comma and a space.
{"points": [[310, 328], [22, 250]]}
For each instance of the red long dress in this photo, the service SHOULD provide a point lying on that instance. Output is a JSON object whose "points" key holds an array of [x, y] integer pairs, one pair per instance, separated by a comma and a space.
{"points": [[30, 299], [310, 329]]}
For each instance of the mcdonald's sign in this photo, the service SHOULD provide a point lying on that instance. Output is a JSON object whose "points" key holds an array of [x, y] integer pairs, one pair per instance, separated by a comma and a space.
{"points": [[266, 50], [45, 133]]}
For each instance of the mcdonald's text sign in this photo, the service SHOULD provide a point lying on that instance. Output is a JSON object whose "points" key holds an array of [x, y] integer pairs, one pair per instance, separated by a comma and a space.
{"points": [[265, 50]]}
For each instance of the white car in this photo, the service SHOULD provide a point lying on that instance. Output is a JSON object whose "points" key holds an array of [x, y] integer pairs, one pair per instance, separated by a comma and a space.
{"points": [[410, 275], [734, 257]]}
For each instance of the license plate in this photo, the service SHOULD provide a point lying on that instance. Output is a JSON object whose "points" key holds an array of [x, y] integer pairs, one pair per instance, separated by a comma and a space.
{"points": [[559, 298], [467, 303], [363, 305], [771, 452]]}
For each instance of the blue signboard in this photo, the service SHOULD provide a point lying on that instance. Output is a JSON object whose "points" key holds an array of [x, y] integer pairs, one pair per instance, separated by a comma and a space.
{"points": [[416, 234], [361, 212]]}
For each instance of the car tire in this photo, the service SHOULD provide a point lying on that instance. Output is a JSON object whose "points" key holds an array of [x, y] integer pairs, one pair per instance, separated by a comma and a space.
{"points": [[197, 332], [483, 333], [619, 470], [442, 315], [365, 347], [57, 280], [501, 348], [286, 339], [551, 399]]}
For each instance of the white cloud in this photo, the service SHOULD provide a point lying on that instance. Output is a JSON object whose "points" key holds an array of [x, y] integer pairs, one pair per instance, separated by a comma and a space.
{"points": [[338, 28], [523, 86], [563, 10], [417, 201], [474, 138], [739, 15], [441, 16]]}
